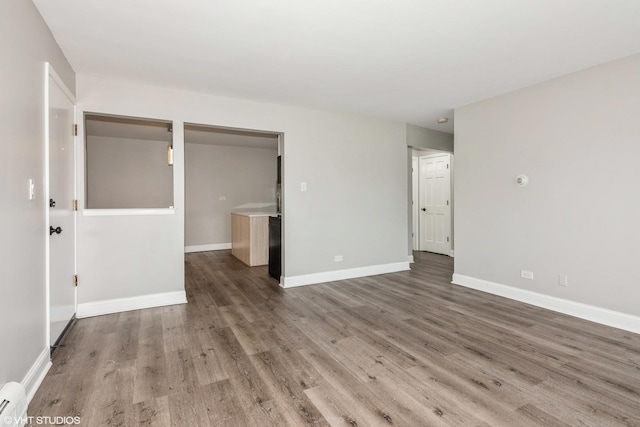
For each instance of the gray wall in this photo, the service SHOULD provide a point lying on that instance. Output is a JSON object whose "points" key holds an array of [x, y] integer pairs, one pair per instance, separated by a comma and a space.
{"points": [[243, 175], [579, 214], [25, 45], [419, 137], [128, 173], [355, 206]]}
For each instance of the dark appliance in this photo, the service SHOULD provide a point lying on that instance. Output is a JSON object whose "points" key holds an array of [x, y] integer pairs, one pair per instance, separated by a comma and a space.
{"points": [[275, 247]]}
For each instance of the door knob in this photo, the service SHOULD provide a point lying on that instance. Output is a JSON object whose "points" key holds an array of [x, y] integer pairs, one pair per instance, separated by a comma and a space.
{"points": [[56, 230], [424, 209]]}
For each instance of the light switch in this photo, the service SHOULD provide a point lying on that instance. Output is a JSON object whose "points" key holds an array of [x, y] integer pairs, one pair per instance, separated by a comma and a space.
{"points": [[32, 189], [303, 186]]}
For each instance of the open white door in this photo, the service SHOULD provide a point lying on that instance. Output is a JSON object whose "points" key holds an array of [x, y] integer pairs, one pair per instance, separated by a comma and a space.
{"points": [[435, 204], [60, 193]]}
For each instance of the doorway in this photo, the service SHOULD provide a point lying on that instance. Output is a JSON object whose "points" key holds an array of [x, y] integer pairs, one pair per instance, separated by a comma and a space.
{"points": [[433, 202], [60, 199], [232, 176]]}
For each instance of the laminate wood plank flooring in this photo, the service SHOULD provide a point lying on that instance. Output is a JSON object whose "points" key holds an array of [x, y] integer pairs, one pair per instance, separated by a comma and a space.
{"points": [[402, 349]]}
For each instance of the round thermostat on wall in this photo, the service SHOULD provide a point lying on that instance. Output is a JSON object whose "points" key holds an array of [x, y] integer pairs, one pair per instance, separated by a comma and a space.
{"points": [[522, 180]]}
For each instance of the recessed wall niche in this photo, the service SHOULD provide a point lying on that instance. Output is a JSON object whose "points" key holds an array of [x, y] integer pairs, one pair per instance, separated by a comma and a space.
{"points": [[128, 163]]}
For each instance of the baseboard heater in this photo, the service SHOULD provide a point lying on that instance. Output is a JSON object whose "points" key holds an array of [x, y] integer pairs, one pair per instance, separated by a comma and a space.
{"points": [[13, 405]]}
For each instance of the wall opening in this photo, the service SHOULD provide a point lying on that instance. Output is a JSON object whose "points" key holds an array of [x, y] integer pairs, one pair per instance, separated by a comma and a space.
{"points": [[128, 163], [229, 171]]}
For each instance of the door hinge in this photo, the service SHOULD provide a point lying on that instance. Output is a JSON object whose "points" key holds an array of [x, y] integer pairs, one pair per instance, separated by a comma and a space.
{"points": [[75, 205], [447, 241], [447, 204], [75, 280], [75, 130], [447, 163]]}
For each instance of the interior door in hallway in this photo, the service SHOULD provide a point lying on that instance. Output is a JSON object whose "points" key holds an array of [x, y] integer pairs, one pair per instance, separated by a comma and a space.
{"points": [[61, 214], [435, 204]]}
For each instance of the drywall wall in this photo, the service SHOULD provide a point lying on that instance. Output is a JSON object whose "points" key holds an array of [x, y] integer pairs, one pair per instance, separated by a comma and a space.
{"points": [[419, 137], [125, 256], [25, 45], [127, 173], [355, 205], [244, 177], [579, 214]]}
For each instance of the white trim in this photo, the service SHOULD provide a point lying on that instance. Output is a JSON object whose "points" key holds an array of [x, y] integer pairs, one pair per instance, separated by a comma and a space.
{"points": [[204, 248], [411, 259], [118, 305], [351, 273], [127, 212], [600, 315], [31, 382], [452, 253], [47, 220]]}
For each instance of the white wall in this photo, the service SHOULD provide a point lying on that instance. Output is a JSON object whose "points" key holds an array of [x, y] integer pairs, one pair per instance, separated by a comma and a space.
{"points": [[128, 173], [25, 45], [579, 214], [242, 175], [355, 205]]}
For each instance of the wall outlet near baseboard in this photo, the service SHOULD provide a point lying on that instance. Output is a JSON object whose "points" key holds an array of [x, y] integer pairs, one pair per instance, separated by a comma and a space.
{"points": [[526, 274], [563, 280], [337, 258]]}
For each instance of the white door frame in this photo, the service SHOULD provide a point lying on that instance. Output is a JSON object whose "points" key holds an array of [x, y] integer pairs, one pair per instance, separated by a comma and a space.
{"points": [[51, 73], [450, 222], [415, 202]]}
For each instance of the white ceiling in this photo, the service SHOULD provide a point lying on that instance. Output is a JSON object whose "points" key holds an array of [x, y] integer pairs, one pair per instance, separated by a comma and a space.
{"points": [[409, 60]]}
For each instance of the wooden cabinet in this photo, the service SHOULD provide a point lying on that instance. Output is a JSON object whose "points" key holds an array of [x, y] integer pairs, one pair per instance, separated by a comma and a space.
{"points": [[250, 238]]}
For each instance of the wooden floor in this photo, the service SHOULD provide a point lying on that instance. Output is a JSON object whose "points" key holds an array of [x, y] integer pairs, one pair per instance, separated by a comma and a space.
{"points": [[404, 349]]}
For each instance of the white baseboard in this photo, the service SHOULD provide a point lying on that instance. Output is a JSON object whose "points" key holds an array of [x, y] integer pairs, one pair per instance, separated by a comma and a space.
{"points": [[119, 305], [350, 273], [31, 382], [204, 248], [411, 260], [452, 253], [600, 315]]}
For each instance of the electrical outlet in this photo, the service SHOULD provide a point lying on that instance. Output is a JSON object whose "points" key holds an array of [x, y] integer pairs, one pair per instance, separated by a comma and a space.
{"points": [[526, 274], [563, 280], [303, 186], [337, 258]]}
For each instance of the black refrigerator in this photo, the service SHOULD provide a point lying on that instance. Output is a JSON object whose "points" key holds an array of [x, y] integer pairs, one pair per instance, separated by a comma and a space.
{"points": [[275, 247]]}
